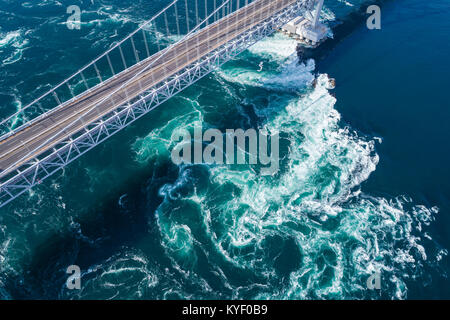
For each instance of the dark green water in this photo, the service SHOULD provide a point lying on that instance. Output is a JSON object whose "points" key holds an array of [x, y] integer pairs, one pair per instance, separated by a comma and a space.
{"points": [[363, 184]]}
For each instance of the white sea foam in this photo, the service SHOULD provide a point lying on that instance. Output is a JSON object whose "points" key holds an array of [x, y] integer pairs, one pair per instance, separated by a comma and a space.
{"points": [[12, 46], [346, 3], [326, 163], [342, 234], [291, 75], [42, 3], [315, 200], [279, 47], [9, 38], [128, 275]]}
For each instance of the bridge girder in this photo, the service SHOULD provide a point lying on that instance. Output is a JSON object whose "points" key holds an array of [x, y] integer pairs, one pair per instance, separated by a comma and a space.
{"points": [[38, 169]]}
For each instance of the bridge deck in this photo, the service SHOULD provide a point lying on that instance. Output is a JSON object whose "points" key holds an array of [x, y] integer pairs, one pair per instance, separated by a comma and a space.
{"points": [[15, 150]]}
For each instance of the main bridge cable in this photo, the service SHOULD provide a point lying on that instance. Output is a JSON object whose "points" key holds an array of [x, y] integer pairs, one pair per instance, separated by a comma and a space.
{"points": [[28, 155], [78, 73]]}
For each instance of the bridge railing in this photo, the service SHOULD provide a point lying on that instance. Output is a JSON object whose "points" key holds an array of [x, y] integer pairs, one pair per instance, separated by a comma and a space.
{"points": [[226, 8], [168, 26], [221, 42]]}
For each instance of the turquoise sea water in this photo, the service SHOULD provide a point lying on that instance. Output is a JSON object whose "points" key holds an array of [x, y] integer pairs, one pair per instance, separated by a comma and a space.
{"points": [[363, 185]]}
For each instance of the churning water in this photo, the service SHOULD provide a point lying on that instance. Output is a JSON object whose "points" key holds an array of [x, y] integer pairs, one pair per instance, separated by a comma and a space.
{"points": [[141, 227]]}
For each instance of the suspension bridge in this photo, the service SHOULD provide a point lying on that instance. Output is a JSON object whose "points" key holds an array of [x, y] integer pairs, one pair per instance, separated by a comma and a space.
{"points": [[178, 46]]}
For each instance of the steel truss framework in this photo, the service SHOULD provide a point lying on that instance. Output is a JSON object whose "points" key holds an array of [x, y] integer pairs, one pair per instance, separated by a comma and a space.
{"points": [[35, 171]]}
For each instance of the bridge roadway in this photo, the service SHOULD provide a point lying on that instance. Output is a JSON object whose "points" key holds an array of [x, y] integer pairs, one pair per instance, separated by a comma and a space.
{"points": [[20, 147]]}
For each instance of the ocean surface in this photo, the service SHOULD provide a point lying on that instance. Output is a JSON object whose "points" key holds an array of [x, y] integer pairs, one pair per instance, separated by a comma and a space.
{"points": [[364, 184]]}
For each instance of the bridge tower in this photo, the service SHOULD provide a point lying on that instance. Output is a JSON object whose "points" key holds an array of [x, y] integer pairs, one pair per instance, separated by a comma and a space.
{"points": [[317, 15], [307, 28]]}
